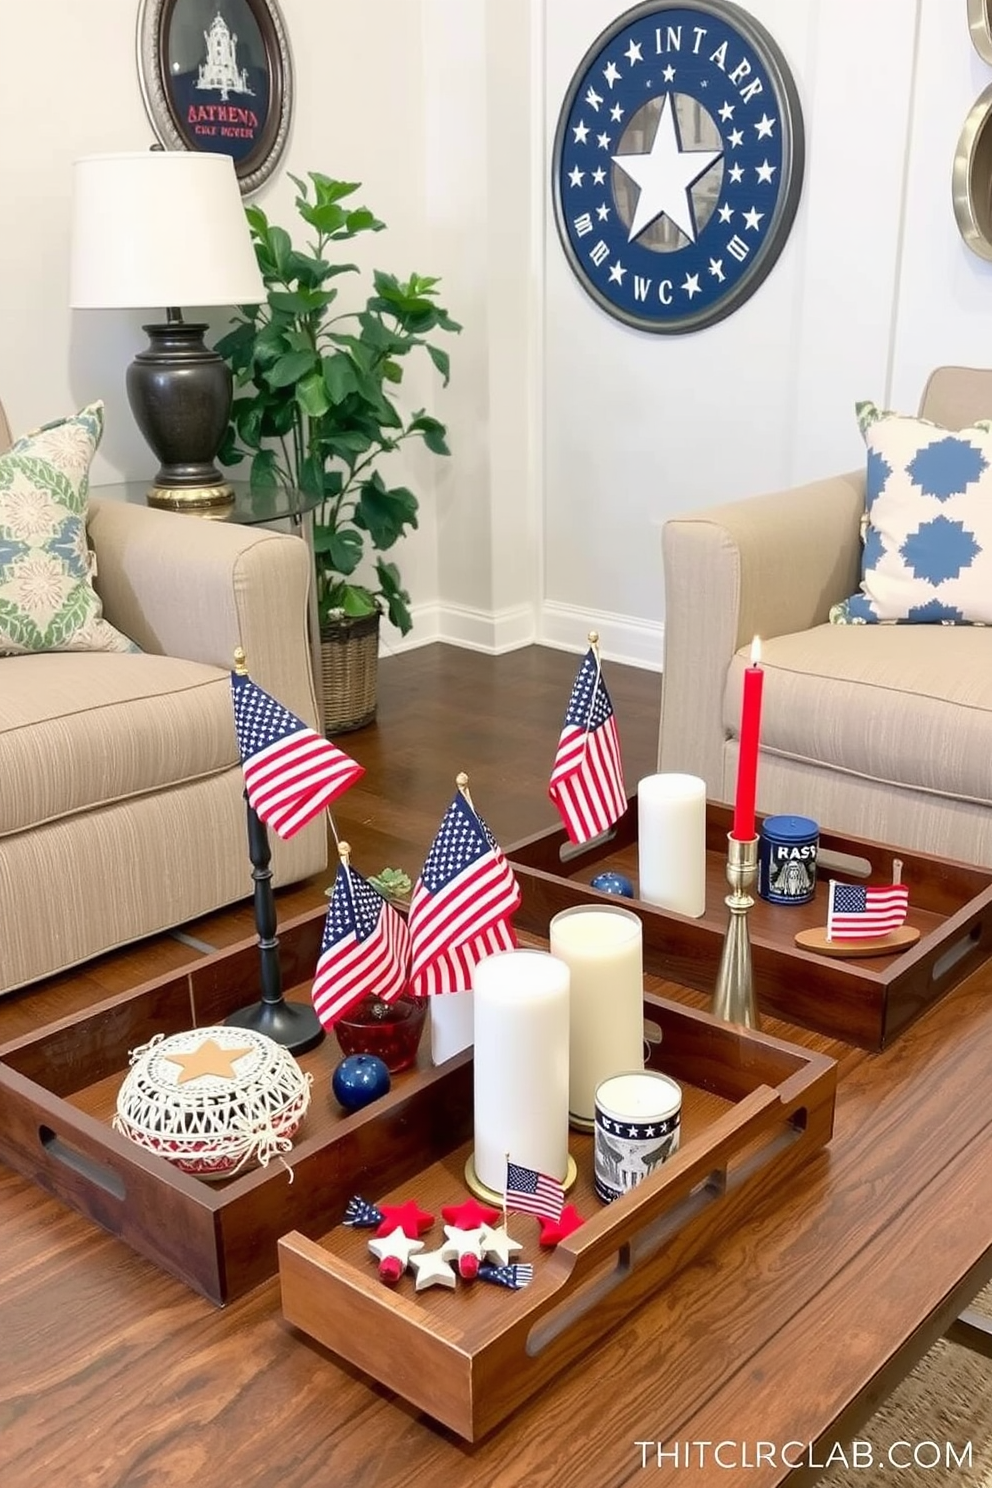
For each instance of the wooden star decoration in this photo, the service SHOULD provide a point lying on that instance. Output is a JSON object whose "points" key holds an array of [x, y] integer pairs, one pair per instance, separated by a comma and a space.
{"points": [[408, 1217], [553, 1230], [497, 1246], [470, 1215], [432, 1270], [394, 1252], [465, 1247], [208, 1058]]}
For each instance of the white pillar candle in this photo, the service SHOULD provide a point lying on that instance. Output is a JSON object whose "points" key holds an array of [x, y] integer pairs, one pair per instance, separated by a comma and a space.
{"points": [[671, 842], [521, 1065], [602, 948]]}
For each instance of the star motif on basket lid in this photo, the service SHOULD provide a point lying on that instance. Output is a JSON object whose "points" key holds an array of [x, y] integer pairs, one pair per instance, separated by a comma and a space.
{"points": [[208, 1058]]}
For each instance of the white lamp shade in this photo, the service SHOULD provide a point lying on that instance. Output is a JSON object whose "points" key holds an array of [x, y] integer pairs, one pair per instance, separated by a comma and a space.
{"points": [[160, 227]]}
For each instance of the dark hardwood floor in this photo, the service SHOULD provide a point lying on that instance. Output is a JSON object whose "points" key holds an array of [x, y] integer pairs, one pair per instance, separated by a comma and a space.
{"points": [[113, 1375]]}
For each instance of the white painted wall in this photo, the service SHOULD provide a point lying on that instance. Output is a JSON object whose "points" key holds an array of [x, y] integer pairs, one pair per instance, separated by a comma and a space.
{"points": [[573, 437]]}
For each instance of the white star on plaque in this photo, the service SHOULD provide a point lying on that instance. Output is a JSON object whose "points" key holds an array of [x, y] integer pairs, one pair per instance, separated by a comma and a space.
{"points": [[668, 73], [725, 213], [735, 138], [736, 174], [633, 53], [575, 176], [752, 218], [581, 132], [765, 172], [691, 285], [727, 112], [664, 174], [617, 272], [764, 127], [611, 72]]}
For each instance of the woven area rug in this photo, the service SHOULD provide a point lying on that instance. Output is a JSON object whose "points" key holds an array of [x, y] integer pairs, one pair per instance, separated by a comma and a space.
{"points": [[946, 1399]]}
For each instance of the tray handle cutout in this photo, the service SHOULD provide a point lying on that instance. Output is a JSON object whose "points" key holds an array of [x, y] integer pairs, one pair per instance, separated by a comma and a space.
{"points": [[646, 1243], [61, 1151], [955, 952]]}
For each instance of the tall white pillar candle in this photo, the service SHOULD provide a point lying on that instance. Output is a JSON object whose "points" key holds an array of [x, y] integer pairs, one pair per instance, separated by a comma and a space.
{"points": [[602, 948], [671, 842], [521, 1065]]}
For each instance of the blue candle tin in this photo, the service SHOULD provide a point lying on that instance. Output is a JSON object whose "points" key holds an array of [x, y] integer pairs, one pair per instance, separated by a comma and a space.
{"points": [[787, 848]]}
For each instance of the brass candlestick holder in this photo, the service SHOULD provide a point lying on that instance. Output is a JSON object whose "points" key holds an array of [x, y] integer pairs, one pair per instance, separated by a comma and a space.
{"points": [[733, 996]]}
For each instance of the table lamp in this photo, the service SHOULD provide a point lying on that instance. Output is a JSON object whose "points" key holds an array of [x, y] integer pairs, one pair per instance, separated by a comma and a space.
{"points": [[159, 227]]}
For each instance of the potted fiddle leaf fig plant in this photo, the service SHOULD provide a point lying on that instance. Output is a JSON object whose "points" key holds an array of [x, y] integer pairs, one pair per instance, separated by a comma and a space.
{"points": [[317, 408]]}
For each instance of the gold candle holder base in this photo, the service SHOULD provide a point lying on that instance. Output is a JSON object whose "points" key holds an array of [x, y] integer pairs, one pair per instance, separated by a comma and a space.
{"points": [[733, 996]]}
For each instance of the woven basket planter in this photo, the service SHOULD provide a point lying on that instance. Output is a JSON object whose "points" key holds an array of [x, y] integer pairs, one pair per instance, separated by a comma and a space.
{"points": [[349, 653]]}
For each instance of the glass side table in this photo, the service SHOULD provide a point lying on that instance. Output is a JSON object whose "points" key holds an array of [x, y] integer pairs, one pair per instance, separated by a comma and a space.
{"points": [[250, 506]]}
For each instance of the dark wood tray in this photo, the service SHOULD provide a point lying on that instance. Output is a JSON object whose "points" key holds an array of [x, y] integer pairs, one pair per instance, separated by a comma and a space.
{"points": [[754, 1108], [58, 1089], [863, 1001]]}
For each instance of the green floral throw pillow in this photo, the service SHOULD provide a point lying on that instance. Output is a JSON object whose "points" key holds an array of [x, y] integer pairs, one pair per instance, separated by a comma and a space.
{"points": [[47, 600]]}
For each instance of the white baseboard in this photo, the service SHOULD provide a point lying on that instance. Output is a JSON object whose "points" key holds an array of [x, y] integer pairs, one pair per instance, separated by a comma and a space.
{"points": [[565, 628], [638, 643]]}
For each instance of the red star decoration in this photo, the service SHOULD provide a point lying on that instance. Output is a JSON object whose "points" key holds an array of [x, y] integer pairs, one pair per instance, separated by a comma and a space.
{"points": [[553, 1230], [470, 1215], [408, 1217]]}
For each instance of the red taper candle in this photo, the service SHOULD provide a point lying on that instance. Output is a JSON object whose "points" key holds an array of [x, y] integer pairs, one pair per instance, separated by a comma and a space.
{"points": [[747, 759]]}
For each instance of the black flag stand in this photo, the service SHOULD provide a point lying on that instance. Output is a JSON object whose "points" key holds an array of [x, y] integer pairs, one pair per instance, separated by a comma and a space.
{"points": [[294, 1025]]}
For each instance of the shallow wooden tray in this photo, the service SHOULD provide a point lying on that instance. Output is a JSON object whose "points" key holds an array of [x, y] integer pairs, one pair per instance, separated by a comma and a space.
{"points": [[754, 1109], [863, 1001], [58, 1089]]}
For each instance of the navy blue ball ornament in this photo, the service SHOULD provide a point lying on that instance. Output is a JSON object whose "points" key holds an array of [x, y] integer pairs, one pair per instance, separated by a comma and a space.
{"points": [[613, 883], [359, 1080]]}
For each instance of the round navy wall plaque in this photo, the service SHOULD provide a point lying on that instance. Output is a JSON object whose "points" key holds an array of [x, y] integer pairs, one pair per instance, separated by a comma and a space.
{"points": [[678, 164]]}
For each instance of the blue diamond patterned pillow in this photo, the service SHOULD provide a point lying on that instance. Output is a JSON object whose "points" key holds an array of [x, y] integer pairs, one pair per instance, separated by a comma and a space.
{"points": [[927, 527]]}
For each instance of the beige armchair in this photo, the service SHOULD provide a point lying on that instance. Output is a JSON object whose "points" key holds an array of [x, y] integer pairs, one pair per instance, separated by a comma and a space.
{"points": [[884, 731], [121, 811]]}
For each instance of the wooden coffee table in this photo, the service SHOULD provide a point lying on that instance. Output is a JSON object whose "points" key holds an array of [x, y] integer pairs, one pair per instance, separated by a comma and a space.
{"points": [[789, 1330]]}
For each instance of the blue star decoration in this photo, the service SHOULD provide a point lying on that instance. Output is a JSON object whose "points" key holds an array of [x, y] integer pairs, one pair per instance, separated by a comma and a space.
{"points": [[946, 467], [678, 164]]}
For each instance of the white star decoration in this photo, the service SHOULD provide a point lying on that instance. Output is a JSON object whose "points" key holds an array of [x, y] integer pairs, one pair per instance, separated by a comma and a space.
{"points": [[765, 172], [664, 174], [735, 138], [432, 1270], [617, 272], [691, 285], [727, 112], [497, 1246], [736, 174], [633, 53], [764, 127], [602, 211], [603, 140], [575, 176], [581, 133], [668, 73], [599, 175], [725, 213], [616, 113], [462, 1242], [397, 1244], [752, 218], [611, 72]]}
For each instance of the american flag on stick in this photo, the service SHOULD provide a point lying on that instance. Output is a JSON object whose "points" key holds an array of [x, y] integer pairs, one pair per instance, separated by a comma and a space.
{"points": [[531, 1192], [291, 772], [461, 904], [587, 777], [365, 948], [856, 912]]}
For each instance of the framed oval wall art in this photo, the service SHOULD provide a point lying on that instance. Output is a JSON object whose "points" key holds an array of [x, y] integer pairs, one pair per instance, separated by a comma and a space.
{"points": [[216, 75]]}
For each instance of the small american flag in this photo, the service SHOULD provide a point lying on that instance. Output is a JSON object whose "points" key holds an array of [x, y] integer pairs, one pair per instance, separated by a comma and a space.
{"points": [[461, 905], [291, 772], [531, 1192], [366, 948], [858, 913], [587, 777]]}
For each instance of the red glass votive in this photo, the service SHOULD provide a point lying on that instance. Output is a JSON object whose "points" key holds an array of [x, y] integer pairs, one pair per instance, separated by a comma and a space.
{"points": [[390, 1030]]}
